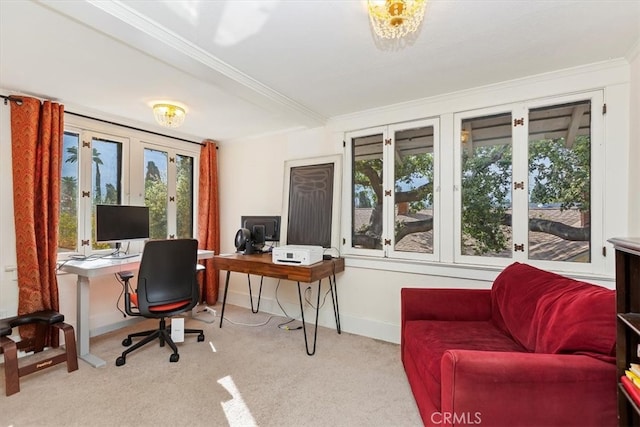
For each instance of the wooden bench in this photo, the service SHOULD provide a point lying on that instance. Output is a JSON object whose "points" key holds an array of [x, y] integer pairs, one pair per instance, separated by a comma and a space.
{"points": [[44, 320]]}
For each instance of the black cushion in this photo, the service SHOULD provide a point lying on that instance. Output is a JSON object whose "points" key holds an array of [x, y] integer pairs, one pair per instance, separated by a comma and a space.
{"points": [[45, 316]]}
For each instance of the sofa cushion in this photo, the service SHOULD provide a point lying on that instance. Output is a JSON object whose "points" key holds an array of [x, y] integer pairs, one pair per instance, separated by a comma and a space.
{"points": [[425, 341], [549, 313]]}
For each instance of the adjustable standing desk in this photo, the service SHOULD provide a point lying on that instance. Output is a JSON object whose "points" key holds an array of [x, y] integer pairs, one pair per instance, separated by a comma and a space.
{"points": [[85, 270], [262, 265]]}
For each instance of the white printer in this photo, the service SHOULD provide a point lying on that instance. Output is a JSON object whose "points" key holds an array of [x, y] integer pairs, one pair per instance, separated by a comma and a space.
{"points": [[297, 254]]}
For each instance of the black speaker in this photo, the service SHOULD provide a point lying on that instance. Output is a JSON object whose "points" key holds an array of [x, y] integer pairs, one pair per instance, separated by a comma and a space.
{"points": [[250, 242], [258, 234], [243, 236]]}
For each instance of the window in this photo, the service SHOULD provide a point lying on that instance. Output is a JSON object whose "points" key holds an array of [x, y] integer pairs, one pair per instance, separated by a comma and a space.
{"points": [[392, 190], [486, 181], [184, 196], [518, 185], [155, 191], [106, 177], [168, 192], [68, 227], [108, 164], [526, 187], [559, 190]]}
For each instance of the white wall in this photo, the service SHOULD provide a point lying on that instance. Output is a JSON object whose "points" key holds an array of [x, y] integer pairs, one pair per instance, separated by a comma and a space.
{"points": [[8, 274], [251, 183], [369, 290], [634, 149]]}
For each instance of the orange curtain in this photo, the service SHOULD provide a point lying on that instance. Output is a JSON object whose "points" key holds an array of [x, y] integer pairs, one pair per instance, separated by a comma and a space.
{"points": [[36, 146], [209, 219]]}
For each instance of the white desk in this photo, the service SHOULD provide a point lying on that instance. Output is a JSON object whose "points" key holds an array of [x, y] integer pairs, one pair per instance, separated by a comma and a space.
{"points": [[85, 271]]}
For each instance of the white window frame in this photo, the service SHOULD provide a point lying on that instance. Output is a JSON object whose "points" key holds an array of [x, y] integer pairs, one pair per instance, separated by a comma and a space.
{"points": [[388, 203], [132, 178], [391, 252], [347, 241], [85, 155], [138, 189], [520, 173]]}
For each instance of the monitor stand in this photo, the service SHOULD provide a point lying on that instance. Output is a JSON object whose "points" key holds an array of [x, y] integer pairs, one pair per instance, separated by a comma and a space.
{"points": [[118, 254]]}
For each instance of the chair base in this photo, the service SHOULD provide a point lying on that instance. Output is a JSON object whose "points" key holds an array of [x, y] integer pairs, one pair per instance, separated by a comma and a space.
{"points": [[163, 333], [10, 348]]}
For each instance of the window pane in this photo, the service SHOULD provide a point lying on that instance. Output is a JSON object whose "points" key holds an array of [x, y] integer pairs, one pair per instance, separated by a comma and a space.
{"points": [[106, 178], [68, 228], [184, 196], [486, 186], [560, 182], [155, 192], [367, 192], [414, 190]]}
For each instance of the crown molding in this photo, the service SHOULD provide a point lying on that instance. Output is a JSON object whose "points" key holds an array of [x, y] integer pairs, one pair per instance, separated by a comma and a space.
{"points": [[123, 23]]}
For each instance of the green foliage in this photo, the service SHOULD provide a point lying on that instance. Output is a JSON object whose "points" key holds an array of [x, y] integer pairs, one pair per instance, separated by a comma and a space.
{"points": [[156, 196], [412, 168], [561, 175], [486, 192], [69, 195], [184, 197], [368, 184], [68, 231]]}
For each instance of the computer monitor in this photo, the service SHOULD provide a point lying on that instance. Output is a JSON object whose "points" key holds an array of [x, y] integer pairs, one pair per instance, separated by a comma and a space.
{"points": [[121, 223], [267, 227]]}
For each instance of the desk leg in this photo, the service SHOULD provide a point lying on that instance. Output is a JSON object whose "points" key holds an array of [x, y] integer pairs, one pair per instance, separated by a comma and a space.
{"points": [[251, 296], [334, 299], [82, 324], [224, 298], [304, 325]]}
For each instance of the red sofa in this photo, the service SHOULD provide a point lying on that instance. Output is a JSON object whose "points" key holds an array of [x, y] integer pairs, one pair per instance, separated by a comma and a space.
{"points": [[537, 349]]}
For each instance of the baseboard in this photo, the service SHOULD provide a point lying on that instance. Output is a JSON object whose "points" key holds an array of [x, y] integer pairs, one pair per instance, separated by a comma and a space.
{"points": [[353, 325], [114, 326]]}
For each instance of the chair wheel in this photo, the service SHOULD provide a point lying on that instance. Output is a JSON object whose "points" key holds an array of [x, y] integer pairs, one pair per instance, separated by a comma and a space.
{"points": [[200, 337], [120, 361], [126, 342], [174, 358]]}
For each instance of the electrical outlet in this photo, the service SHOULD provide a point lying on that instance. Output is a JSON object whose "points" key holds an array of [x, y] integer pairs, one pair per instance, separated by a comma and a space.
{"points": [[307, 297]]}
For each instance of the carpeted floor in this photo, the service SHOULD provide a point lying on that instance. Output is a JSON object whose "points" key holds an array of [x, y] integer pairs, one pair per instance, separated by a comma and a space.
{"points": [[239, 376]]}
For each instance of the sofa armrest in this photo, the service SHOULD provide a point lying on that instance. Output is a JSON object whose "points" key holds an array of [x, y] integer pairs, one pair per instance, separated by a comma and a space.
{"points": [[528, 389], [445, 304]]}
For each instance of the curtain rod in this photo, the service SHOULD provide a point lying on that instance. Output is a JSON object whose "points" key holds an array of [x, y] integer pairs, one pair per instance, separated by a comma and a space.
{"points": [[19, 100]]}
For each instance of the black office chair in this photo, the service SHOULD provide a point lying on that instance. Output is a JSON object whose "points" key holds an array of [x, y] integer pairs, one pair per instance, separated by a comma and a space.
{"points": [[167, 286]]}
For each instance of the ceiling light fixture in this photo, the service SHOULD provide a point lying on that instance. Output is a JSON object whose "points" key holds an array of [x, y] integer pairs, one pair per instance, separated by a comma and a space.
{"points": [[393, 19], [169, 115]]}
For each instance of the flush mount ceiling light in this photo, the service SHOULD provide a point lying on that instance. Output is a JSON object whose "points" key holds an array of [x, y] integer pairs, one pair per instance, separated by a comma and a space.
{"points": [[393, 19], [169, 115]]}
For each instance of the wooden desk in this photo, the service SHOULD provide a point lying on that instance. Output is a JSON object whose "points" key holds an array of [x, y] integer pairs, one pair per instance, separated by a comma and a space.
{"points": [[85, 270], [262, 265]]}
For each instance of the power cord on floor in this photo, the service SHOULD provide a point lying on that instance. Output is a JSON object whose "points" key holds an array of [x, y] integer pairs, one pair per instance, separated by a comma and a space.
{"points": [[285, 325], [249, 324]]}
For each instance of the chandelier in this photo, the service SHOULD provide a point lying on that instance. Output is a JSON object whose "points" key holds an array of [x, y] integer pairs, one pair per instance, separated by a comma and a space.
{"points": [[393, 19], [168, 115]]}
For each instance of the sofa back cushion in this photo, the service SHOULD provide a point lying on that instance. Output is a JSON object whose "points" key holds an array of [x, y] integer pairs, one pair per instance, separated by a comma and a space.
{"points": [[549, 313]]}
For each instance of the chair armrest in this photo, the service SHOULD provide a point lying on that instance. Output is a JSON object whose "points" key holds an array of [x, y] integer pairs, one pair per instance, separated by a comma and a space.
{"points": [[445, 304], [528, 389]]}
